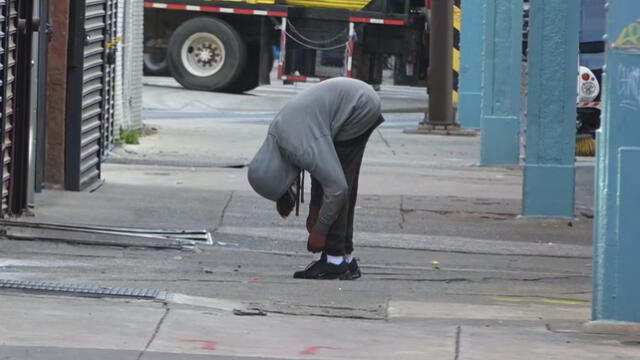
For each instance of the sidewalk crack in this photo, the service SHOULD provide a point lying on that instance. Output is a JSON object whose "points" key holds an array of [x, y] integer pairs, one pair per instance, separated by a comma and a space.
{"points": [[224, 211], [386, 142], [457, 348], [402, 211], [155, 333]]}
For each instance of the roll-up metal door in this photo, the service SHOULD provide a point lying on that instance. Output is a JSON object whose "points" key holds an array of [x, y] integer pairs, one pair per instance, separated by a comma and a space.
{"points": [[7, 87], [15, 81], [21, 16], [86, 87]]}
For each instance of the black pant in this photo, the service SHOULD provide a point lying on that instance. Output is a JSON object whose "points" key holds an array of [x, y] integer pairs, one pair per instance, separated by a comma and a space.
{"points": [[350, 152]]}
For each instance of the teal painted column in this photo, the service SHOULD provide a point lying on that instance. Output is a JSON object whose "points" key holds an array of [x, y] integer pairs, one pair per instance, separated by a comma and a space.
{"points": [[616, 264], [549, 172], [502, 57], [469, 105]]}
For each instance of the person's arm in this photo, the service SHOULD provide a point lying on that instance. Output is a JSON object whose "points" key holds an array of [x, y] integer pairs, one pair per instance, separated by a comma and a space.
{"points": [[327, 170]]}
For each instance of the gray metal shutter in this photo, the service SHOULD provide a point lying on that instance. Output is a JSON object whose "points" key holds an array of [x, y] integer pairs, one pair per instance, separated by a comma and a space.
{"points": [[8, 23], [86, 89], [15, 107]]}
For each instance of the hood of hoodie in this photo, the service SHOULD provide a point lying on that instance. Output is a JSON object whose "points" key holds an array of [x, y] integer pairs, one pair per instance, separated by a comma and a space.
{"points": [[302, 134], [270, 174]]}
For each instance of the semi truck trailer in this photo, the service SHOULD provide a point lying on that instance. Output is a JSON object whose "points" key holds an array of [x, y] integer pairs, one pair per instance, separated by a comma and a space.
{"points": [[229, 45]]}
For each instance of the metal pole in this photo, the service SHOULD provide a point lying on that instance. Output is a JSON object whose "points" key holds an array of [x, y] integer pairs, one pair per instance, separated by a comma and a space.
{"points": [[36, 85], [350, 48], [549, 171], [440, 113], [41, 95], [455, 52], [616, 295], [502, 53], [283, 48]]}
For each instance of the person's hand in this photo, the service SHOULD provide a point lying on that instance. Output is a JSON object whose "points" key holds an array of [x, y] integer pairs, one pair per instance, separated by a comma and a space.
{"points": [[316, 242], [314, 213]]}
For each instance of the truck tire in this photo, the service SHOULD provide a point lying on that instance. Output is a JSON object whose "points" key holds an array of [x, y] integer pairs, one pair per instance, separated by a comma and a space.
{"points": [[249, 79], [155, 62], [206, 54]]}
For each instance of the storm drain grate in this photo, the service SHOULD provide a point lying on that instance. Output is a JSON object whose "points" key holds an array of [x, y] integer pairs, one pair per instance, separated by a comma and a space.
{"points": [[84, 290]]}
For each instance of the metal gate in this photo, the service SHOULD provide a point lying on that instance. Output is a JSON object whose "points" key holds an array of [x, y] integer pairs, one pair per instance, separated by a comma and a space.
{"points": [[90, 89], [111, 41], [15, 80]]}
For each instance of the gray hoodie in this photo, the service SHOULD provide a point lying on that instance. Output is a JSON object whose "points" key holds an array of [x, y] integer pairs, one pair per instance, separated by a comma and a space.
{"points": [[302, 136]]}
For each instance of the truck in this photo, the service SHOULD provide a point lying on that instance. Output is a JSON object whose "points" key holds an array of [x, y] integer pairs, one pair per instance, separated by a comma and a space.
{"points": [[592, 49], [229, 45]]}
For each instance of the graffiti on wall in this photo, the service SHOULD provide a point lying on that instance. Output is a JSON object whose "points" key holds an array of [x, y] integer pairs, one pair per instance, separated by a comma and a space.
{"points": [[629, 86], [630, 35]]}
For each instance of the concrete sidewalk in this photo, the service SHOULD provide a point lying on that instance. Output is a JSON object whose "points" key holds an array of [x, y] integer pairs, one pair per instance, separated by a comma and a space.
{"points": [[50, 327]]}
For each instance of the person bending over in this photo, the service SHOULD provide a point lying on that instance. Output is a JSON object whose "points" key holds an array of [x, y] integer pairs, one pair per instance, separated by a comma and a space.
{"points": [[323, 131]]}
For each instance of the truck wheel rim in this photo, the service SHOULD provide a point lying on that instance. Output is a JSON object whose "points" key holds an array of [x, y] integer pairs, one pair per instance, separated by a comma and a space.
{"points": [[203, 54]]}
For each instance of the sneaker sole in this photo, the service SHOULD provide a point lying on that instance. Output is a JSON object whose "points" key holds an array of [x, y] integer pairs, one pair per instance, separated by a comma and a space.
{"points": [[344, 276], [355, 275]]}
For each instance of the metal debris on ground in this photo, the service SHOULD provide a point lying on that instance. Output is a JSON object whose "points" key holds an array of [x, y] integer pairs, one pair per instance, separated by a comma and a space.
{"points": [[183, 236]]}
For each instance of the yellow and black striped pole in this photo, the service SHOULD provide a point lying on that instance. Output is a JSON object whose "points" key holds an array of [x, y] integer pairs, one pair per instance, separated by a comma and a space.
{"points": [[457, 12]]}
